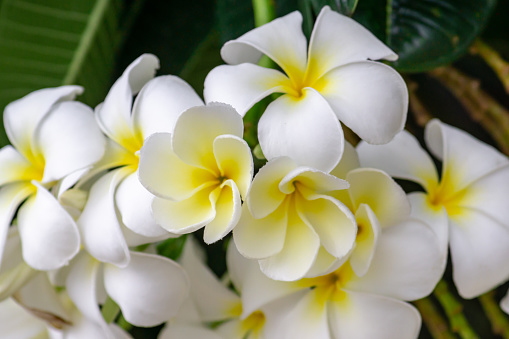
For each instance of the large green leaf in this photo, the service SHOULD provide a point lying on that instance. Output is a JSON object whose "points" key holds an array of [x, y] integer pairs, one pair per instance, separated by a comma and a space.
{"points": [[46, 43], [425, 33]]}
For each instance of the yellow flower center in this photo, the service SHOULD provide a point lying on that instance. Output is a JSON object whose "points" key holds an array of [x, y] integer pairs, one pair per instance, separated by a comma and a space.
{"points": [[253, 324], [329, 287], [447, 195]]}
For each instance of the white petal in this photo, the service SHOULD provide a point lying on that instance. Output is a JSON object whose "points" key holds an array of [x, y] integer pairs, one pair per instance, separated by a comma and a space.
{"points": [[60, 138], [186, 216], [504, 303], [281, 39], [243, 85], [14, 272], [164, 174], [332, 221], [160, 102], [114, 114], [198, 127], [349, 161], [175, 331], [298, 253], [489, 194], [352, 43], [366, 241], [81, 285], [261, 238], [235, 161], [227, 212], [305, 129], [214, 300], [383, 195], [305, 319], [134, 204], [465, 158], [22, 116], [479, 263], [369, 97], [407, 263], [238, 266], [264, 196], [433, 216], [10, 197], [403, 158], [14, 167], [49, 235], [16, 322], [367, 316], [99, 223], [149, 290]]}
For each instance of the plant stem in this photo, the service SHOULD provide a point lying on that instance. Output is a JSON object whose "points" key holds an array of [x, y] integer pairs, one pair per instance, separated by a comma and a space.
{"points": [[480, 105], [453, 310], [264, 11], [434, 321], [110, 310], [494, 60], [124, 324], [498, 320]]}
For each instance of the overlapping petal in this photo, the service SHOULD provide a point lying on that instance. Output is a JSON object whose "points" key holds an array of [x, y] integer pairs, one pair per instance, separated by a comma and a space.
{"points": [[378, 119], [187, 331], [22, 116], [114, 114], [243, 85], [14, 167], [227, 204], [298, 253], [49, 234], [349, 161], [159, 104], [403, 158], [311, 183], [304, 129], [164, 174], [235, 162], [327, 51], [134, 203], [16, 322], [99, 225], [282, 40], [149, 290], [366, 241], [59, 138], [196, 130], [261, 238], [383, 195]]}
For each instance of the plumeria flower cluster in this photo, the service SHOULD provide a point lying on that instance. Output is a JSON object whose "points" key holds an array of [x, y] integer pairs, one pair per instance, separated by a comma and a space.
{"points": [[322, 242]]}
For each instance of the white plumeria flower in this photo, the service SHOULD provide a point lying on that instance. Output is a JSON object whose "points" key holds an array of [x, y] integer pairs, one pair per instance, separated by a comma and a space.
{"points": [[332, 80], [199, 173], [38, 311], [466, 207], [149, 290], [341, 305], [53, 137], [292, 224], [211, 301], [117, 198]]}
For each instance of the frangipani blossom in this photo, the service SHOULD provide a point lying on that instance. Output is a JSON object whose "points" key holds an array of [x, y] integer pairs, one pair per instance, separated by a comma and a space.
{"points": [[149, 290], [199, 173], [466, 206], [334, 79], [406, 266], [292, 224], [38, 311], [211, 301], [117, 199], [47, 132]]}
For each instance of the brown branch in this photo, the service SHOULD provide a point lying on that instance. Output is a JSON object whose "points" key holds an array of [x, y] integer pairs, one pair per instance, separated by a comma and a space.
{"points": [[494, 60]]}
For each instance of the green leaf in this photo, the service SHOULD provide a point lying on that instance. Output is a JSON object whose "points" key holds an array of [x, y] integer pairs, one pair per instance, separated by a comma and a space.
{"points": [[172, 248], [425, 33], [47, 43], [346, 7]]}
